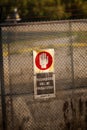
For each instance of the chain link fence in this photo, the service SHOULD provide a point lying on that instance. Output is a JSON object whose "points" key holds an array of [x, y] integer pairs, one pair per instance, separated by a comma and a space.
{"points": [[68, 109]]}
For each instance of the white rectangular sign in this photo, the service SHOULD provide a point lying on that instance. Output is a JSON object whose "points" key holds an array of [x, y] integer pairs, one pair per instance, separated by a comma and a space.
{"points": [[44, 77]]}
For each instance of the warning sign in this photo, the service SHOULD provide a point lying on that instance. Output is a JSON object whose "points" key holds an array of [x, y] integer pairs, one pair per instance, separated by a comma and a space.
{"points": [[44, 77], [43, 61]]}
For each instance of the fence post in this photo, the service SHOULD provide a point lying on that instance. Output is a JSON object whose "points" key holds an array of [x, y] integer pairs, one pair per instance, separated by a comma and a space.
{"points": [[72, 58], [2, 85], [73, 99]]}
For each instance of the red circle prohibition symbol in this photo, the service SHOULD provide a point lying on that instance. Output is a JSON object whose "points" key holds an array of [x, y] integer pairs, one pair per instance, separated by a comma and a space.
{"points": [[43, 60]]}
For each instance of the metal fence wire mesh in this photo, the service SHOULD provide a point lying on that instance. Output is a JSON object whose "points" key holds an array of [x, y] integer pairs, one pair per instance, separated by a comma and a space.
{"points": [[68, 109]]}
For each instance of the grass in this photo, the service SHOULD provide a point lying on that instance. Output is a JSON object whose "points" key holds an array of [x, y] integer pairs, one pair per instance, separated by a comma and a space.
{"points": [[55, 46], [81, 37], [22, 42], [34, 36]]}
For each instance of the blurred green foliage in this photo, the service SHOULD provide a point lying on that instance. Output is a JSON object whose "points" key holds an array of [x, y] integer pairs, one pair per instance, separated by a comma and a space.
{"points": [[34, 10]]}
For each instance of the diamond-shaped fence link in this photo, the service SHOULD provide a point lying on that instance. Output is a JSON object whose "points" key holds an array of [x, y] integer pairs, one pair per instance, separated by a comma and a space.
{"points": [[68, 109]]}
